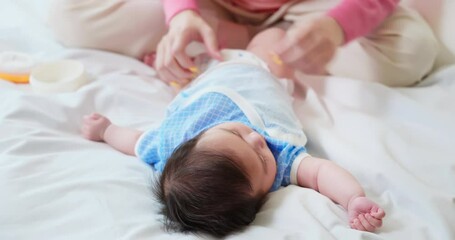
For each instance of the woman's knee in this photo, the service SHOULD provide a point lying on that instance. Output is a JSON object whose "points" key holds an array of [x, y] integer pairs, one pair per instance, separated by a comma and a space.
{"points": [[408, 45], [399, 53], [128, 27]]}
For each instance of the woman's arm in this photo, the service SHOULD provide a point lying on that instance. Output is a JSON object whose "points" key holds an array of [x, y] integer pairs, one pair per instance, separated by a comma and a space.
{"points": [[172, 7], [341, 187], [359, 17]]}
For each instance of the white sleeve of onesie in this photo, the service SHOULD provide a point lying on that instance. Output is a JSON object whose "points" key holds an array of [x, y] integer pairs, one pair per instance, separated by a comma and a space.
{"points": [[295, 167]]}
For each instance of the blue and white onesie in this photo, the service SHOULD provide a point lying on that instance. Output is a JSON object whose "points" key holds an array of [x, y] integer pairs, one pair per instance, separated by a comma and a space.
{"points": [[239, 89]]}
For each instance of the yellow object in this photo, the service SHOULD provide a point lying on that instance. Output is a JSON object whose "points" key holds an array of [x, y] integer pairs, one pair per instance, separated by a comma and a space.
{"points": [[174, 84], [194, 69], [276, 59], [15, 78]]}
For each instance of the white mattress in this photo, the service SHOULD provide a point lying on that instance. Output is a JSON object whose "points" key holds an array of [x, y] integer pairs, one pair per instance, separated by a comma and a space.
{"points": [[54, 184]]}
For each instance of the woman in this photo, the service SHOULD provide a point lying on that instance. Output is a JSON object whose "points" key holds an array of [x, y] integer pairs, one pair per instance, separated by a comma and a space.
{"points": [[371, 40]]}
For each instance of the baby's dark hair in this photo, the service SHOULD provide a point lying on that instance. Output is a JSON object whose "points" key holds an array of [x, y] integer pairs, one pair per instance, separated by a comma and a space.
{"points": [[205, 192]]}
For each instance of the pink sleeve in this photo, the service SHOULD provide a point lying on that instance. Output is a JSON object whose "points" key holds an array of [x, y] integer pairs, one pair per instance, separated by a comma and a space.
{"points": [[359, 17], [172, 7]]}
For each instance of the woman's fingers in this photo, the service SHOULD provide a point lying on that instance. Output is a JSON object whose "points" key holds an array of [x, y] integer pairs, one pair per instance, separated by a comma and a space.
{"points": [[210, 41], [315, 61], [309, 46], [159, 59], [182, 60], [302, 51], [286, 50], [172, 62], [166, 64]]}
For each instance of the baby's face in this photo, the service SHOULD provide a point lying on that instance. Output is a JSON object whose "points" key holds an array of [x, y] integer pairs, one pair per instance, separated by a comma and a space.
{"points": [[250, 147]]}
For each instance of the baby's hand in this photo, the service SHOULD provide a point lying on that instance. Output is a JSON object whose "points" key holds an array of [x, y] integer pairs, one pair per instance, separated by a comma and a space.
{"points": [[94, 126], [364, 214]]}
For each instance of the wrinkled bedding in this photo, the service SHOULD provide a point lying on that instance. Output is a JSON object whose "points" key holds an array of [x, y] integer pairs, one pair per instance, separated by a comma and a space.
{"points": [[398, 142]]}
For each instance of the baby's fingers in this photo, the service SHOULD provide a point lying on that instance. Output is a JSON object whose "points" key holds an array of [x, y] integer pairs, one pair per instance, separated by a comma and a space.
{"points": [[86, 133], [84, 130], [378, 213], [373, 221], [366, 225], [92, 116], [355, 224]]}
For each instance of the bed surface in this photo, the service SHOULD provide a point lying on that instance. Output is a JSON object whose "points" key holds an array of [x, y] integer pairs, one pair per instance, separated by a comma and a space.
{"points": [[398, 142]]}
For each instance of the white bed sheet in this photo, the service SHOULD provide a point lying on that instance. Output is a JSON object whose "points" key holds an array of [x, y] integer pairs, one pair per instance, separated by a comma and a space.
{"points": [[56, 185]]}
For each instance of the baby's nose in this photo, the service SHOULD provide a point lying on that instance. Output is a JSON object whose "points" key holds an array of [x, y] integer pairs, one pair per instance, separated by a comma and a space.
{"points": [[256, 140]]}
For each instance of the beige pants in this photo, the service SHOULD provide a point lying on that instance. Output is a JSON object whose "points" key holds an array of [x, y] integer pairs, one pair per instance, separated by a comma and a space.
{"points": [[400, 52]]}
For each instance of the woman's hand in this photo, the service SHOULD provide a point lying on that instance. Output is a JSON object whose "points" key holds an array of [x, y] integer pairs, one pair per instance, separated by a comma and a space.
{"points": [[172, 62], [309, 46]]}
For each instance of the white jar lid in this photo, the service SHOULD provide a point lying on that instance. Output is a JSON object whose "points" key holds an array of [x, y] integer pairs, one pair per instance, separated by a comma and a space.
{"points": [[58, 76]]}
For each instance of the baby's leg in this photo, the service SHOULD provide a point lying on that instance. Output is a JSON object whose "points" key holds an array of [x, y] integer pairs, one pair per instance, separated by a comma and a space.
{"points": [[399, 53]]}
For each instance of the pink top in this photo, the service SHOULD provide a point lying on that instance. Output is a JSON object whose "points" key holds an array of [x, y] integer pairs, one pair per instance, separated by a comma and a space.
{"points": [[359, 17], [356, 17], [258, 5]]}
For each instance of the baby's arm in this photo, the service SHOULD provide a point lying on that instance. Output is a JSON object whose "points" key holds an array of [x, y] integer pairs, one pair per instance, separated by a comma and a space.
{"points": [[96, 127], [339, 185]]}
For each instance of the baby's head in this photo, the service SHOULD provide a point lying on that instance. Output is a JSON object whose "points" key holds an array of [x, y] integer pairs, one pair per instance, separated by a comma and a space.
{"points": [[217, 181]]}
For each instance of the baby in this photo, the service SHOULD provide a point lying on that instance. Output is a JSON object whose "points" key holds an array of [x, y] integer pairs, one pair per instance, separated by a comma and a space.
{"points": [[228, 139]]}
